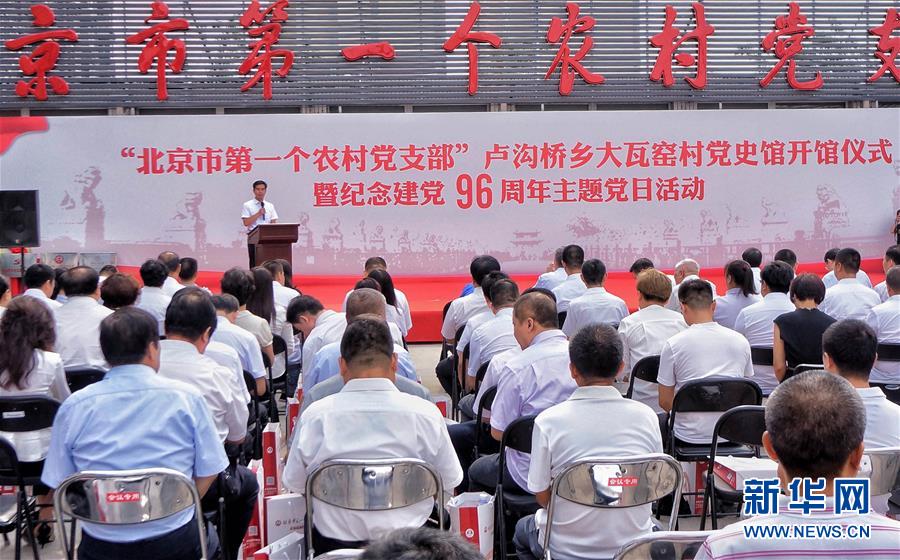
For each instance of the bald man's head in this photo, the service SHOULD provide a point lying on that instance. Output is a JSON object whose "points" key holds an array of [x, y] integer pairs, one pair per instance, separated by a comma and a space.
{"points": [[365, 301], [539, 307]]}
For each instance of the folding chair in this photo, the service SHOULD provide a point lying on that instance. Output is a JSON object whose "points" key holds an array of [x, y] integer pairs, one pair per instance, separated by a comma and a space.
{"points": [[253, 422], [79, 378], [454, 381], [801, 368], [445, 348], [487, 400], [23, 414], [646, 369], [516, 436], [371, 485], [598, 483], [762, 356], [665, 545], [126, 498], [479, 375], [561, 318], [741, 426], [889, 353], [885, 475], [279, 346]]}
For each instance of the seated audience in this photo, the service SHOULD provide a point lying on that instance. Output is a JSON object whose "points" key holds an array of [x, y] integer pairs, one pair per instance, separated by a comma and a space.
{"points": [[496, 335], [891, 259], [644, 332], [39, 281], [239, 283], [740, 292], [153, 299], [173, 267], [78, 320], [687, 269], [396, 314], [239, 339], [284, 293], [756, 322], [421, 544], [187, 274], [814, 428], [167, 424], [830, 279], [59, 294], [262, 304], [555, 274], [884, 319], [848, 299], [705, 349], [788, 256], [797, 336], [106, 271], [318, 325], [573, 286], [5, 294], [119, 290], [368, 419], [596, 305], [560, 438], [378, 263], [753, 257]]}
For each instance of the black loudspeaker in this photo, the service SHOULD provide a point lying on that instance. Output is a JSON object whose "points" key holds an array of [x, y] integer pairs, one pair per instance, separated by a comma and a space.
{"points": [[19, 219]]}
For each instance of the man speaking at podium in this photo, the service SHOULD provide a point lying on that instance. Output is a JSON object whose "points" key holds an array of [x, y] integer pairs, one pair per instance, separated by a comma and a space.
{"points": [[257, 211]]}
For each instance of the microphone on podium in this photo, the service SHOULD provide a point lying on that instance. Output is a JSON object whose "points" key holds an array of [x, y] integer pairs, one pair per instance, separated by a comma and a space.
{"points": [[262, 207]]}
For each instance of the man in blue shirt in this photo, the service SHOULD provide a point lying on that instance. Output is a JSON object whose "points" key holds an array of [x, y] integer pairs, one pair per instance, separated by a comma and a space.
{"points": [[134, 419]]}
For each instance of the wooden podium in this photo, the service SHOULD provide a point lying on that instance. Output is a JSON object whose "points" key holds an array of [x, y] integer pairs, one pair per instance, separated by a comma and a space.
{"points": [[272, 241]]}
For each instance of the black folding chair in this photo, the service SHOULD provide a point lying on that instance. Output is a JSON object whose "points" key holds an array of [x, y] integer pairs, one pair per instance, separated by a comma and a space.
{"points": [[279, 346], [801, 368], [445, 348], [479, 375], [646, 369], [513, 506], [79, 378], [22, 414], [889, 353], [486, 402], [254, 422], [740, 426], [561, 318], [454, 381], [761, 356]]}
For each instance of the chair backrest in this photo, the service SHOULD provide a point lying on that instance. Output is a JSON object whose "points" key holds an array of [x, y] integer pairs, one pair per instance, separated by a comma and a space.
{"points": [[9, 463], [479, 375], [801, 368], [279, 345], [664, 545], [646, 369], [761, 356], [743, 425], [617, 482], [486, 402], [371, 485], [716, 394], [889, 352], [561, 318], [250, 382], [885, 475], [517, 436], [126, 498], [79, 378], [27, 413]]}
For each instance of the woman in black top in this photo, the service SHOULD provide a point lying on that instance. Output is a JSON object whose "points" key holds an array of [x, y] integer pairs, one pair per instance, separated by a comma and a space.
{"points": [[798, 334]]}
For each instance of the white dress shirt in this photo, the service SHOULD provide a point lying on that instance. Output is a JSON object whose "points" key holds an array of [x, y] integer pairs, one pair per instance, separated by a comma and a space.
{"points": [[182, 362], [757, 278], [643, 334], [470, 327], [674, 303], [78, 332], [461, 310], [330, 327], [327, 366], [884, 319], [881, 290], [729, 305], [572, 287], [39, 295], [47, 378], [155, 302], [283, 297], [244, 343], [848, 299], [227, 357], [596, 305], [491, 338], [882, 419], [492, 376], [532, 382], [703, 350], [405, 319], [830, 279], [285, 330], [370, 419], [757, 323], [550, 280], [171, 286], [252, 206], [560, 438]]}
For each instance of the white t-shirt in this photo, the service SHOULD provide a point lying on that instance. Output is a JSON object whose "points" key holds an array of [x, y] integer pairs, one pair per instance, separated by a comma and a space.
{"points": [[729, 305], [470, 327], [252, 206], [596, 305], [830, 279], [491, 338], [461, 310], [171, 286], [78, 332], [884, 319], [882, 419], [244, 343], [848, 299], [881, 290], [757, 323], [155, 302], [572, 287]]}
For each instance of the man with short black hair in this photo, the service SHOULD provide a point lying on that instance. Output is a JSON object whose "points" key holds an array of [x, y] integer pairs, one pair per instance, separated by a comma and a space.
{"points": [[639, 266], [395, 426], [596, 305], [753, 257], [560, 438], [814, 429], [378, 263], [464, 308], [757, 321], [153, 299], [830, 279], [106, 271], [849, 349], [423, 543], [242, 341], [319, 326], [884, 319], [78, 320], [573, 286], [891, 259], [39, 282], [848, 299], [705, 349], [119, 290], [555, 273], [187, 274], [255, 212], [136, 419], [788, 256], [172, 262]]}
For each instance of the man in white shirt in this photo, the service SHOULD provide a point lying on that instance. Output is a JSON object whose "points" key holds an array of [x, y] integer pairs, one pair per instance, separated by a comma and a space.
{"points": [[242, 341], [368, 419], [257, 211], [848, 299], [494, 336], [891, 259], [814, 429], [319, 326], [39, 281], [78, 320], [757, 322], [753, 257], [830, 279], [190, 321], [153, 299], [530, 383], [283, 297], [561, 437], [573, 286], [705, 349], [788, 256], [173, 267], [884, 319], [596, 305], [555, 274], [378, 263], [849, 350], [644, 332], [187, 274], [687, 269]]}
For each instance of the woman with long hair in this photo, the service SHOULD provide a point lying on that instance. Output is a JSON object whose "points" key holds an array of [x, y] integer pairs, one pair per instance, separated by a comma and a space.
{"points": [[394, 313], [741, 292], [262, 304]]}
